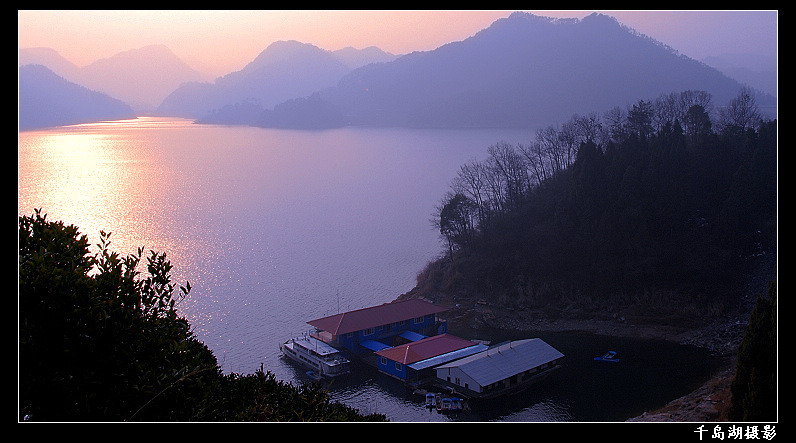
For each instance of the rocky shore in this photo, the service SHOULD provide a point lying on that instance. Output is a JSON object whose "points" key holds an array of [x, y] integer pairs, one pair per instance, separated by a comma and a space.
{"points": [[708, 403]]}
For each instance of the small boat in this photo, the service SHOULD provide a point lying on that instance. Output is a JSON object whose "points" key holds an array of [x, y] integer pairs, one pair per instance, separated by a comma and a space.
{"points": [[609, 356], [320, 358], [450, 404], [431, 400]]}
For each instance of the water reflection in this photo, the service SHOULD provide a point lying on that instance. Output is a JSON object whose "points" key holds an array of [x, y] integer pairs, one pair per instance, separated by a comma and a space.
{"points": [[71, 174], [275, 227]]}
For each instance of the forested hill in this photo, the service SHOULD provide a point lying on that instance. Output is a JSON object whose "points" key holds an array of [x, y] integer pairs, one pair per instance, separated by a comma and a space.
{"points": [[522, 71], [661, 209]]}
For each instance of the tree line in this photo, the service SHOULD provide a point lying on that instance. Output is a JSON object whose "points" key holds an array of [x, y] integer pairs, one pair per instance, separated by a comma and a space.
{"points": [[669, 193], [510, 172], [102, 340]]}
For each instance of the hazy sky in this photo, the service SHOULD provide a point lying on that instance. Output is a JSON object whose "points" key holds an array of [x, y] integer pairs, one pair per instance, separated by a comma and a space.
{"points": [[224, 41]]}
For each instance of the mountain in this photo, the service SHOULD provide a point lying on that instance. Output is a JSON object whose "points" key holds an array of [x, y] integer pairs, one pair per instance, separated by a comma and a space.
{"points": [[46, 100], [283, 71], [52, 60], [757, 71], [522, 71], [356, 58], [140, 77]]}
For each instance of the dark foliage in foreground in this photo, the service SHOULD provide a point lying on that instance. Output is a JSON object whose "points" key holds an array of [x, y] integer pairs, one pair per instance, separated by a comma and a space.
{"points": [[101, 341]]}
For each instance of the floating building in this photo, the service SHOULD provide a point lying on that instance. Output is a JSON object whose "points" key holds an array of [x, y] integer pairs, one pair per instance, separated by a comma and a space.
{"points": [[407, 340], [501, 368], [364, 331], [414, 362]]}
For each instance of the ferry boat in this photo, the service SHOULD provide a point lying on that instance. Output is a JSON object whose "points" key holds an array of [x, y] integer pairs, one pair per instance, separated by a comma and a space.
{"points": [[321, 358]]}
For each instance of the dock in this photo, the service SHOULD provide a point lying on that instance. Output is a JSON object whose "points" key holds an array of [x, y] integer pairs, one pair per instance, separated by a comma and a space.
{"points": [[408, 340]]}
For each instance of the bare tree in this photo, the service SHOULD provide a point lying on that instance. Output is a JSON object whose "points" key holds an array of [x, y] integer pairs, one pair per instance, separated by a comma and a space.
{"points": [[472, 182], [589, 128], [554, 147], [513, 174], [742, 112], [536, 161], [569, 135], [689, 98], [615, 123], [666, 110]]}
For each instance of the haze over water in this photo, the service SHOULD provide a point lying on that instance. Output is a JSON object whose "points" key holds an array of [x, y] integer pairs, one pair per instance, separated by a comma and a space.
{"points": [[274, 228], [305, 222]]}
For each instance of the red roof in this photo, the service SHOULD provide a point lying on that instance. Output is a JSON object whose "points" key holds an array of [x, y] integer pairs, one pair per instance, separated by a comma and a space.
{"points": [[375, 316], [425, 348]]}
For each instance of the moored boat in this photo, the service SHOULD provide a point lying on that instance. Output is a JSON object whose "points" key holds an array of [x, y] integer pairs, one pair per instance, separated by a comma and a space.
{"points": [[431, 400], [322, 359], [609, 356], [450, 404]]}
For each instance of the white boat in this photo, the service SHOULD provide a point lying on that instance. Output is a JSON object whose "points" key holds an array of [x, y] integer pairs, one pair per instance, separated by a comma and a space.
{"points": [[431, 400], [322, 359]]}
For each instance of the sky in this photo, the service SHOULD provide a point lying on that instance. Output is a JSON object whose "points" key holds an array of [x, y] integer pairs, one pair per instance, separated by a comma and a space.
{"points": [[220, 42]]}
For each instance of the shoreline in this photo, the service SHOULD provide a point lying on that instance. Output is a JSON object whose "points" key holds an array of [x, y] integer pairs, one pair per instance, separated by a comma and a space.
{"points": [[721, 338]]}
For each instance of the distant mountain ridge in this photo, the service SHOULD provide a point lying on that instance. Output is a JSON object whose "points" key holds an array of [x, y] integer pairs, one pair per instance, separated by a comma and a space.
{"points": [[522, 71], [283, 71], [757, 71], [153, 80], [47, 100], [356, 58], [52, 60], [140, 77]]}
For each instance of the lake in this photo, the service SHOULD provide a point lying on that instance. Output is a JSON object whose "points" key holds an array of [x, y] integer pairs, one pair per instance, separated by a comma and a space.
{"points": [[277, 227]]}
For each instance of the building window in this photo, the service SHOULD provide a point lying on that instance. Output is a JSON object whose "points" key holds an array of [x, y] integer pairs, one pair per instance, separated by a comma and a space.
{"points": [[418, 320], [458, 381], [398, 366], [382, 360], [369, 331]]}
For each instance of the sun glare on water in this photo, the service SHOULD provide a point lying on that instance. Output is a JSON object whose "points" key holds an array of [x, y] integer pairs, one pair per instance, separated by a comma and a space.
{"points": [[78, 173]]}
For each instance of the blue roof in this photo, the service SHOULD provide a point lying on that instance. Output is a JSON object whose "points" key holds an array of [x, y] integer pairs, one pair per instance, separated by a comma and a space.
{"points": [[412, 336], [374, 345]]}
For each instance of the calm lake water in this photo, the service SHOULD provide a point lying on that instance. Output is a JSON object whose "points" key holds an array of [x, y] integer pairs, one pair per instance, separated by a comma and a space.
{"points": [[276, 227]]}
